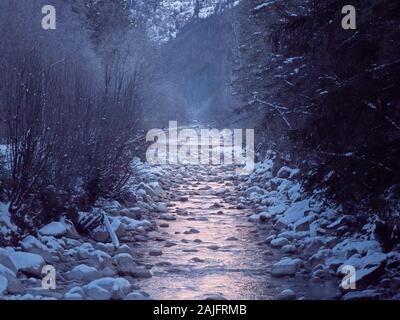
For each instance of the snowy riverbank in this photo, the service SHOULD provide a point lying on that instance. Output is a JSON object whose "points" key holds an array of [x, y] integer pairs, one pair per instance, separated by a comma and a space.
{"points": [[304, 238], [319, 240]]}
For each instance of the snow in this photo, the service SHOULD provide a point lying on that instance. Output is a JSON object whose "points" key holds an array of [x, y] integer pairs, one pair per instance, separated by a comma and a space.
{"points": [[361, 246], [264, 5], [53, 244], [27, 262], [83, 268], [4, 271], [56, 229], [30, 242], [107, 288], [172, 15], [286, 266], [295, 212]]}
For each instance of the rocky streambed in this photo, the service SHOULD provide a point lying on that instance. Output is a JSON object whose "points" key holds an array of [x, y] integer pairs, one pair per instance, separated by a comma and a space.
{"points": [[203, 232]]}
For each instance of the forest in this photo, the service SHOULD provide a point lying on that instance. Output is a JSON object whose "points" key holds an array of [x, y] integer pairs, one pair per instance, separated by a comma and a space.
{"points": [[75, 185]]}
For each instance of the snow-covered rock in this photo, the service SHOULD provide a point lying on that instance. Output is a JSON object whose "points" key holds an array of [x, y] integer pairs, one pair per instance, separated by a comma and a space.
{"points": [[75, 293], [3, 285], [5, 259], [287, 294], [370, 294], [295, 212], [107, 288], [162, 207], [55, 229], [125, 264], [28, 263], [14, 286], [285, 267], [99, 259], [83, 273], [279, 242], [289, 249], [136, 296]]}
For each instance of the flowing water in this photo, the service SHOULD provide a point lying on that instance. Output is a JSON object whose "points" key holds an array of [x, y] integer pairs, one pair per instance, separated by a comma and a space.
{"points": [[211, 250]]}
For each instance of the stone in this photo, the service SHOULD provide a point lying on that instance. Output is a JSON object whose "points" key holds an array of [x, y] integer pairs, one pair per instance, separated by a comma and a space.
{"points": [[192, 231], [141, 273], [125, 264], [370, 294], [124, 249], [71, 233], [108, 288], [54, 229], [5, 259], [279, 242], [100, 235], [162, 207], [99, 259], [135, 213], [155, 253], [75, 293], [28, 263], [95, 292], [32, 245], [289, 249], [167, 217], [3, 285], [136, 296], [285, 267], [270, 238], [287, 294], [83, 273]]}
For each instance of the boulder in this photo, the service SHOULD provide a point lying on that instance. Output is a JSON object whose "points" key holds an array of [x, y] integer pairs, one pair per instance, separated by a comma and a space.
{"points": [[28, 263], [287, 294], [75, 293], [286, 267], [33, 245], [279, 242], [136, 296], [135, 213], [95, 292], [140, 273], [83, 273], [167, 217], [99, 259], [289, 249], [162, 207], [100, 235], [155, 253], [125, 264], [255, 189], [54, 229], [370, 294], [5, 259], [14, 286], [3, 285], [107, 288]]}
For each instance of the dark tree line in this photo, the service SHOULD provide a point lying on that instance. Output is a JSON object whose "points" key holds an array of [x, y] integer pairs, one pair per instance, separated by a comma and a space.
{"points": [[328, 98]]}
